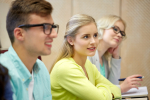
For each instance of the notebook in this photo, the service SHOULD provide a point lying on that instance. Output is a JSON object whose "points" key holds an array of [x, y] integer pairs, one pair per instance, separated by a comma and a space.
{"points": [[141, 92]]}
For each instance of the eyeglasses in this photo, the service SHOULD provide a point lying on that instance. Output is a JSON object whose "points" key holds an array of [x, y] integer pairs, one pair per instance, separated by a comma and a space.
{"points": [[47, 28], [116, 29]]}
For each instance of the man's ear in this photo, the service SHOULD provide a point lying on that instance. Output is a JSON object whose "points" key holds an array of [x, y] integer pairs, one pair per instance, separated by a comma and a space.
{"points": [[70, 40], [18, 34]]}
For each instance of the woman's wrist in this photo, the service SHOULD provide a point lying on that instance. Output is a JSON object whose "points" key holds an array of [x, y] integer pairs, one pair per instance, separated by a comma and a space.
{"points": [[122, 89]]}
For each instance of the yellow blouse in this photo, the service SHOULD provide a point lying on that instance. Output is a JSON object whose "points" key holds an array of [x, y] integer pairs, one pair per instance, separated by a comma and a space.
{"points": [[69, 82]]}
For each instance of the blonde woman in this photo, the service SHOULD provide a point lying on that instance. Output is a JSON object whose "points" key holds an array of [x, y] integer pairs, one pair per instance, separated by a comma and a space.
{"points": [[73, 77], [107, 59]]}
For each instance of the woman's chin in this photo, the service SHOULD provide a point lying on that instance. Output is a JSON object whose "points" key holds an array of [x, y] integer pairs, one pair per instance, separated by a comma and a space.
{"points": [[114, 45], [90, 55]]}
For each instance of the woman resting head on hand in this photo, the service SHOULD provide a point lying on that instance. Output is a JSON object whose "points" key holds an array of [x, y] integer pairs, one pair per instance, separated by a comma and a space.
{"points": [[73, 77], [107, 59]]}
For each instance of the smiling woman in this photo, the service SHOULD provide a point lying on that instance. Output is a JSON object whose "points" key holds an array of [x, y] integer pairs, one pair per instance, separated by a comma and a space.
{"points": [[73, 77], [107, 59]]}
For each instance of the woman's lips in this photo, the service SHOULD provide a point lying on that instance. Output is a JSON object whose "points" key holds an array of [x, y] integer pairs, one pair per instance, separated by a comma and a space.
{"points": [[117, 40], [91, 48]]}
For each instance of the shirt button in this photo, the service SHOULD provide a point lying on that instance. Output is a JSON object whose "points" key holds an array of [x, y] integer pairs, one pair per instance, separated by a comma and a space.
{"points": [[27, 89], [23, 80], [30, 78]]}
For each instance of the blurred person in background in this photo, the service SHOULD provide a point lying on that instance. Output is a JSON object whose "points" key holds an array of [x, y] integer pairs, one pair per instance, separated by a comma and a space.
{"points": [[5, 86], [111, 29]]}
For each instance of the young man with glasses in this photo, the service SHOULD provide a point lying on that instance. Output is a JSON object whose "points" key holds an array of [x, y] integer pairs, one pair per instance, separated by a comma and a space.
{"points": [[31, 30]]}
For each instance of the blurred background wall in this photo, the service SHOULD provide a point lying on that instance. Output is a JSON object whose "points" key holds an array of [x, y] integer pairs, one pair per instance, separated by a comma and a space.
{"points": [[135, 51]]}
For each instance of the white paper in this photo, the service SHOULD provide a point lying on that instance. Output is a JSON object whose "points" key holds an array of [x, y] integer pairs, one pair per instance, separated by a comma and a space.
{"points": [[141, 92]]}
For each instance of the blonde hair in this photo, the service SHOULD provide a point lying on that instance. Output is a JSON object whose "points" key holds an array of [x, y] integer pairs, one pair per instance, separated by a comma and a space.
{"points": [[107, 22], [75, 23]]}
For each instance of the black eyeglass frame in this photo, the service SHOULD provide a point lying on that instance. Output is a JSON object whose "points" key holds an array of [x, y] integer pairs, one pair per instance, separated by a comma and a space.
{"points": [[113, 27], [36, 25]]}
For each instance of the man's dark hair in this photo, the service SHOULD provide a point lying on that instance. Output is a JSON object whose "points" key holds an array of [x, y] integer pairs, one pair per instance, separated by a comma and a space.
{"points": [[4, 78], [21, 9]]}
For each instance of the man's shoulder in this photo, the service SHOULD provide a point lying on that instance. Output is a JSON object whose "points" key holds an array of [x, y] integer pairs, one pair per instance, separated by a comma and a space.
{"points": [[40, 64], [42, 67], [6, 61], [4, 56]]}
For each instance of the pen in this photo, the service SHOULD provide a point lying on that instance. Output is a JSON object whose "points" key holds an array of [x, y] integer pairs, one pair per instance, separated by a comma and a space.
{"points": [[122, 79]]}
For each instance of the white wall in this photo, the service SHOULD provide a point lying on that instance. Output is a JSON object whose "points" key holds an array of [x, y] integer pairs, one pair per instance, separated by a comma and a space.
{"points": [[4, 39]]}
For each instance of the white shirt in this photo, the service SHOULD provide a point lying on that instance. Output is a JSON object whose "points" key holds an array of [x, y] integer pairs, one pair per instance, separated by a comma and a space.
{"points": [[30, 88]]}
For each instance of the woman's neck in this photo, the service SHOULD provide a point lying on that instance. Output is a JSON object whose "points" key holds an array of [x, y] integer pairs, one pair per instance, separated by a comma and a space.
{"points": [[80, 60]]}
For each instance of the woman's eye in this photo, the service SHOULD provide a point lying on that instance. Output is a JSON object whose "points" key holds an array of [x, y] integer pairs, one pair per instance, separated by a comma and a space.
{"points": [[95, 35], [115, 29], [85, 37]]}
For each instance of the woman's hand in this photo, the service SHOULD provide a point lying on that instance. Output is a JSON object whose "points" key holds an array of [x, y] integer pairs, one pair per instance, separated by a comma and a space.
{"points": [[130, 82], [114, 52]]}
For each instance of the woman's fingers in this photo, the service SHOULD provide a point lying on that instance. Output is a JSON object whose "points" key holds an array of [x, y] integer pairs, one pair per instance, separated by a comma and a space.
{"points": [[131, 82], [135, 83], [110, 50], [134, 76], [135, 86], [136, 79]]}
